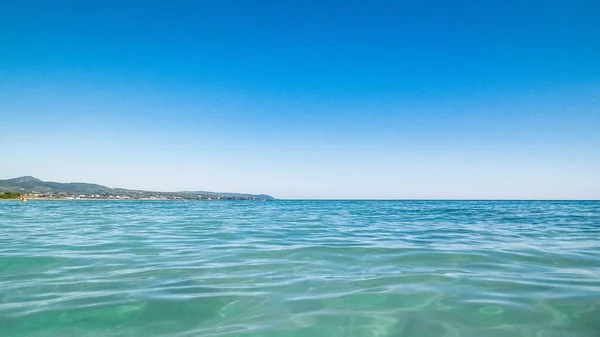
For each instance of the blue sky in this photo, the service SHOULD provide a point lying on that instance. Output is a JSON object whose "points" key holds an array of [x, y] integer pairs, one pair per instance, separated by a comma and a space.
{"points": [[306, 99]]}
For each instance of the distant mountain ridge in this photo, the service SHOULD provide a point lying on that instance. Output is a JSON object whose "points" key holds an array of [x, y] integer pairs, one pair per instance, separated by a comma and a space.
{"points": [[31, 185]]}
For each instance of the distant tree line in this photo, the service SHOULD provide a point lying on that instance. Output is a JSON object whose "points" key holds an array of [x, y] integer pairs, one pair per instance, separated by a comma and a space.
{"points": [[9, 195]]}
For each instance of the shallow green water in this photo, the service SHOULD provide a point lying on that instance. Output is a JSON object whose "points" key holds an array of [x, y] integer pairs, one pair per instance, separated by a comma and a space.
{"points": [[299, 268]]}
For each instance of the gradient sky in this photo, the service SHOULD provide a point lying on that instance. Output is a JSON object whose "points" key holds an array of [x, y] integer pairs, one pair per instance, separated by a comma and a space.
{"points": [[305, 99]]}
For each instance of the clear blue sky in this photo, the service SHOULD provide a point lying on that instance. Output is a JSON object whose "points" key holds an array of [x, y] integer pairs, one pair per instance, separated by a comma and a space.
{"points": [[305, 99]]}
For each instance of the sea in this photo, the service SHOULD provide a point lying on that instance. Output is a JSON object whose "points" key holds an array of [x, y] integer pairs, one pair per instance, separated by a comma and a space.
{"points": [[300, 268]]}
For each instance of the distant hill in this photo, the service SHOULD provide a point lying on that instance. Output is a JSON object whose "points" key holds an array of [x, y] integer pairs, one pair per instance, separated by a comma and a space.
{"points": [[31, 185], [232, 195]]}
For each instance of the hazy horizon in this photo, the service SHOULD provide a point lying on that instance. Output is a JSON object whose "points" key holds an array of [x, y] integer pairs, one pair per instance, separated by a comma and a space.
{"points": [[306, 100], [308, 199]]}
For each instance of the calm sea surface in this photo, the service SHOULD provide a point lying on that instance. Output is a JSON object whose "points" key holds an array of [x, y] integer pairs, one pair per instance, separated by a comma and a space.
{"points": [[299, 268]]}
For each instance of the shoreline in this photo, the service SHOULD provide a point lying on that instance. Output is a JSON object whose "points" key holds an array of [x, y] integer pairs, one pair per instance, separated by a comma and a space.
{"points": [[121, 199]]}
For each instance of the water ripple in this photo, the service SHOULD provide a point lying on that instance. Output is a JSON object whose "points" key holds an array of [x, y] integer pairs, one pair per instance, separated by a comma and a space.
{"points": [[300, 268]]}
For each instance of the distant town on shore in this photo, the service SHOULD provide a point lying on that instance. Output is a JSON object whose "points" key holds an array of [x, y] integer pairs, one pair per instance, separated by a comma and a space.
{"points": [[33, 188]]}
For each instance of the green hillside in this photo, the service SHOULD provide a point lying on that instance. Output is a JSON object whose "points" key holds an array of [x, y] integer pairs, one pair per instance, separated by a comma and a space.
{"points": [[33, 186]]}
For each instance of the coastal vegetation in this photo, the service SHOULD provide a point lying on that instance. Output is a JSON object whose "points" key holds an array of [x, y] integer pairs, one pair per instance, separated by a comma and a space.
{"points": [[9, 195], [33, 188]]}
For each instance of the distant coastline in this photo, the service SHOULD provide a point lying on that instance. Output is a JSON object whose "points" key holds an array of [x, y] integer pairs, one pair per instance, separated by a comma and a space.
{"points": [[33, 197], [35, 189]]}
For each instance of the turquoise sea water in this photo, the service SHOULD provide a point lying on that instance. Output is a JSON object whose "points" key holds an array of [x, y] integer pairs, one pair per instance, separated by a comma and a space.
{"points": [[299, 268]]}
